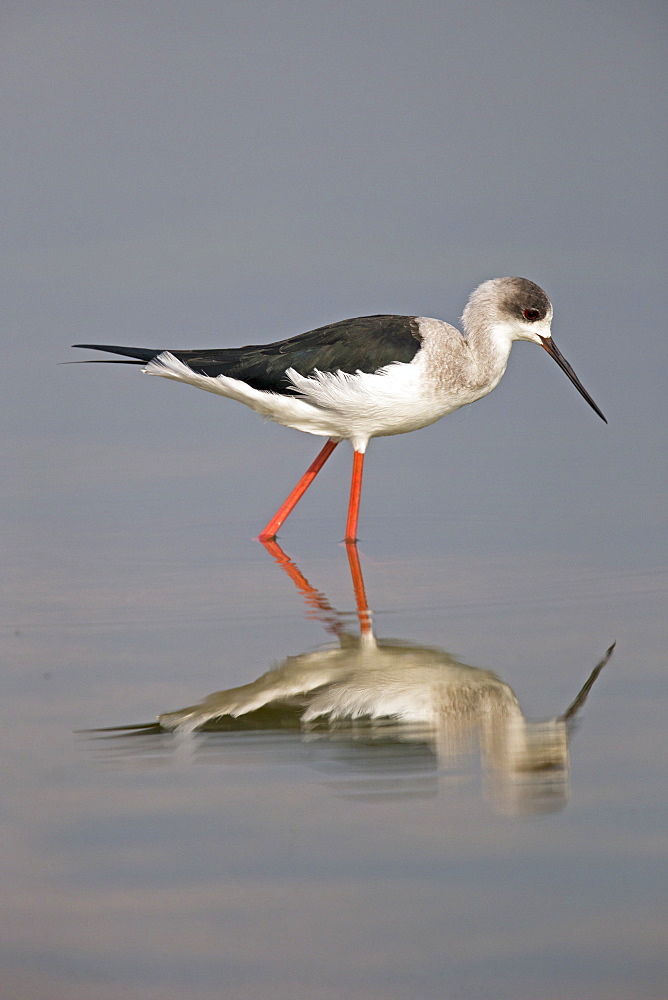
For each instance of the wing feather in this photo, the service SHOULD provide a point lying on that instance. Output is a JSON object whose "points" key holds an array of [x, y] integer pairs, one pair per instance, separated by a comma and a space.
{"points": [[364, 344]]}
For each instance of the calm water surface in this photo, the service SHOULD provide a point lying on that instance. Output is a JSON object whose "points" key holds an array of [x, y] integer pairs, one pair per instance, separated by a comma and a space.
{"points": [[215, 174], [508, 839]]}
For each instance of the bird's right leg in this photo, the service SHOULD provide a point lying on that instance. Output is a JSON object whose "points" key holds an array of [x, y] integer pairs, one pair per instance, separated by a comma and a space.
{"points": [[269, 531], [363, 609], [355, 494]]}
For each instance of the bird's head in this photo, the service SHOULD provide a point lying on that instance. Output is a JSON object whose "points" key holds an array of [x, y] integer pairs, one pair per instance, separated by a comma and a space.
{"points": [[515, 306], [518, 309]]}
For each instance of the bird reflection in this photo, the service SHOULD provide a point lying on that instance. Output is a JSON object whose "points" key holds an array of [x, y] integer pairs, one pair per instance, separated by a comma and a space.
{"points": [[417, 710]]}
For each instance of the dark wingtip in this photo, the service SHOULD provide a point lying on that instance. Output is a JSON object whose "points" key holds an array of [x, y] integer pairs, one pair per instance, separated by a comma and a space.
{"points": [[139, 354], [582, 694]]}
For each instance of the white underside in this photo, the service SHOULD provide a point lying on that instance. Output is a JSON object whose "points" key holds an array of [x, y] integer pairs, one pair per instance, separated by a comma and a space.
{"points": [[375, 681], [394, 400]]}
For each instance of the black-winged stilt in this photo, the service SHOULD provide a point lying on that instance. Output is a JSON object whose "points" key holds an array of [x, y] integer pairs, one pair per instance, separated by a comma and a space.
{"points": [[368, 377]]}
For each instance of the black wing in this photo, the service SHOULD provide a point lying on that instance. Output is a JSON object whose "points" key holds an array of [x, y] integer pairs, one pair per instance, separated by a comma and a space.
{"points": [[363, 344]]}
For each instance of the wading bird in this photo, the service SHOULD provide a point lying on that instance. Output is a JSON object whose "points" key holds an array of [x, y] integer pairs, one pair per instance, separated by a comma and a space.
{"points": [[368, 377]]}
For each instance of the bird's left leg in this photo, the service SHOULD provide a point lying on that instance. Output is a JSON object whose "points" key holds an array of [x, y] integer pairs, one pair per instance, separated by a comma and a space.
{"points": [[269, 531]]}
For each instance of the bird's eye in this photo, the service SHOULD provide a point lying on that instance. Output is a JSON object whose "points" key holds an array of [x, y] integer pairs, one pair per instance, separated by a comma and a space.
{"points": [[531, 314]]}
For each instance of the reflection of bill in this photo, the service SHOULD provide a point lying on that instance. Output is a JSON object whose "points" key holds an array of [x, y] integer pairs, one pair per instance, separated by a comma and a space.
{"points": [[365, 690]]}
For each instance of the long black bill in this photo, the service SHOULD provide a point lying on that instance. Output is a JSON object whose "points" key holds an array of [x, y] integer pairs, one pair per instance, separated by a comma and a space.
{"points": [[555, 353]]}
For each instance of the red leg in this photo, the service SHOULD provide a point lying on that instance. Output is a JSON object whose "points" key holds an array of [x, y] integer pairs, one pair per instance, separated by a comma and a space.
{"points": [[355, 493], [318, 605], [363, 609], [300, 489]]}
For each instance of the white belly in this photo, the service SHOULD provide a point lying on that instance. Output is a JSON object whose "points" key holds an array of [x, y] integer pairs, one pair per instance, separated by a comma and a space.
{"points": [[342, 406]]}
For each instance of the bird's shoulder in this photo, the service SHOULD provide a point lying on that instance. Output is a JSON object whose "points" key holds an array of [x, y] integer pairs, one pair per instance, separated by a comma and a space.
{"points": [[363, 343]]}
